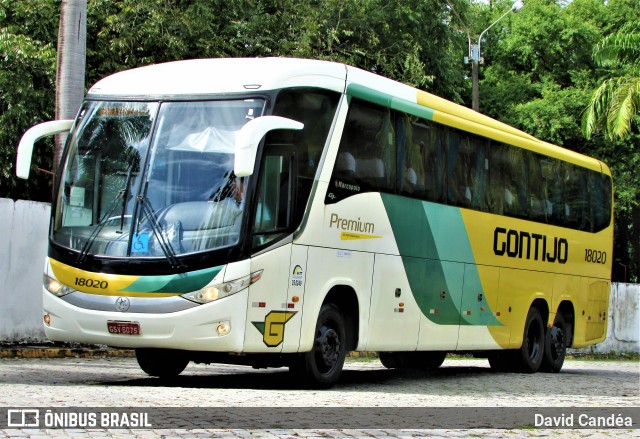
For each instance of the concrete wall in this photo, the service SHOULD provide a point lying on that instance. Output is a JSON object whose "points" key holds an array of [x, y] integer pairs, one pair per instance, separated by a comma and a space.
{"points": [[623, 327], [24, 228], [23, 245]]}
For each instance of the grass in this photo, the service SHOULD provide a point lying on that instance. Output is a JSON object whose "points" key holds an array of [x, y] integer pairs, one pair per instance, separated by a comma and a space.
{"points": [[365, 357], [611, 356]]}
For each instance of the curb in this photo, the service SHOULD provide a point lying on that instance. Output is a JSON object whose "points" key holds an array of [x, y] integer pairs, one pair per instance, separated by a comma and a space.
{"points": [[48, 352], [78, 352]]}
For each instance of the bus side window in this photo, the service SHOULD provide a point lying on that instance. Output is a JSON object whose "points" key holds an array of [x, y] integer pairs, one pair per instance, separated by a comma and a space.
{"points": [[275, 203], [541, 207], [315, 108], [376, 152], [509, 181], [479, 161], [368, 138], [576, 198], [429, 150], [600, 196], [458, 170], [410, 163]]}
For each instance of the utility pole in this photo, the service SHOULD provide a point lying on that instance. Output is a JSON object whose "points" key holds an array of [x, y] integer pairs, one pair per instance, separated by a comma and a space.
{"points": [[476, 58]]}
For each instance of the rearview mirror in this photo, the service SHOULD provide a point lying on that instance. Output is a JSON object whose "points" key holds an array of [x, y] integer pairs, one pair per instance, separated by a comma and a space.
{"points": [[30, 137], [249, 138]]}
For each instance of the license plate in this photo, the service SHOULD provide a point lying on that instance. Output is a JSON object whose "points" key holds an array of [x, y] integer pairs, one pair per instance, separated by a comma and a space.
{"points": [[123, 328]]}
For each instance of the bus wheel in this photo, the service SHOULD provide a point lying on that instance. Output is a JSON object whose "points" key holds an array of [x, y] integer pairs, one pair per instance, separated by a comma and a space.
{"points": [[529, 356], [322, 366], [555, 345], [162, 363], [389, 359], [430, 360], [501, 361], [412, 360]]}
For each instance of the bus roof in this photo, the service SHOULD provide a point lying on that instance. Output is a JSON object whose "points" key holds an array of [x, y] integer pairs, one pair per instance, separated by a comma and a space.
{"points": [[218, 76], [201, 77]]}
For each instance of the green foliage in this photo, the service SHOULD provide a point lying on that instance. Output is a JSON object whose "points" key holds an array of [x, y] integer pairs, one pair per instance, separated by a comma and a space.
{"points": [[538, 75], [615, 105], [27, 76]]}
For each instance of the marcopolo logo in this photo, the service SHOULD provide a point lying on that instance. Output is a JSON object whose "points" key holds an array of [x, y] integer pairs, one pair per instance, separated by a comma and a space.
{"points": [[122, 304], [525, 245]]}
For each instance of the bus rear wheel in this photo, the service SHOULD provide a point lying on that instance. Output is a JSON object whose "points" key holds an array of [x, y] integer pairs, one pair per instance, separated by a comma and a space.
{"points": [[162, 363], [322, 366], [555, 345]]}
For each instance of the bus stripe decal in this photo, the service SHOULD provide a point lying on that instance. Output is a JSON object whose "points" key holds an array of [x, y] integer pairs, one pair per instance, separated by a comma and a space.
{"points": [[389, 101], [131, 285], [453, 244], [177, 283], [436, 283]]}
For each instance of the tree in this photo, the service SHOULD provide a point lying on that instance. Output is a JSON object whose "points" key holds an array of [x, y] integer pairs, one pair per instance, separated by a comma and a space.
{"points": [[27, 71], [615, 105], [72, 37], [540, 75]]}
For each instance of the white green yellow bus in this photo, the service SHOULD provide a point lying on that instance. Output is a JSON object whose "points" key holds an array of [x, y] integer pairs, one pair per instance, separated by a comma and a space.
{"points": [[285, 212]]}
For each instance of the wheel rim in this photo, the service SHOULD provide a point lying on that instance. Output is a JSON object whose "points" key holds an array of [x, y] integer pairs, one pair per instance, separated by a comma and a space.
{"points": [[557, 342], [327, 347]]}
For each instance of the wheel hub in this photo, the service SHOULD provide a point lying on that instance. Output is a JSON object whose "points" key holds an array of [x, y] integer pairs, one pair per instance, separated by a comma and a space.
{"points": [[557, 341], [328, 345]]}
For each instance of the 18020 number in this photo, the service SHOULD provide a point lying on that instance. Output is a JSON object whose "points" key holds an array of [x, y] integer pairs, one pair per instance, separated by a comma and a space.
{"points": [[92, 283], [595, 256]]}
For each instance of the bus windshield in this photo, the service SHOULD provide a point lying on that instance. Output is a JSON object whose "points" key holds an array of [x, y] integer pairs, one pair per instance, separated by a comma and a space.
{"points": [[149, 179]]}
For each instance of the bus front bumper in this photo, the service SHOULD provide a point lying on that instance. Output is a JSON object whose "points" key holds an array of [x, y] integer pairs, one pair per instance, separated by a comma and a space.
{"points": [[201, 328]]}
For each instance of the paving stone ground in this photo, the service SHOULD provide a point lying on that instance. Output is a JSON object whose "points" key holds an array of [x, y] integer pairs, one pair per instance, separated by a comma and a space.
{"points": [[459, 383]]}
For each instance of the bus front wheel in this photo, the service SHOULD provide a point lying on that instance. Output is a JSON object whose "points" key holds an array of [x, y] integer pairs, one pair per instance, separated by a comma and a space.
{"points": [[322, 366], [162, 363]]}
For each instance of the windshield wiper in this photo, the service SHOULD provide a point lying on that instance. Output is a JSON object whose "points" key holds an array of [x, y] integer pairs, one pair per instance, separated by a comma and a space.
{"points": [[122, 194], [152, 219], [127, 189], [94, 234]]}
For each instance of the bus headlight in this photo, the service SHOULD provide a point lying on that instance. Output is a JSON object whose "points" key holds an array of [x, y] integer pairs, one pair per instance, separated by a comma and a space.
{"points": [[218, 291], [55, 287]]}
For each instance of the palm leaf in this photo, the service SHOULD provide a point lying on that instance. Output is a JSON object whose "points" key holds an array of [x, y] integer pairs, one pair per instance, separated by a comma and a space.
{"points": [[624, 106], [616, 103]]}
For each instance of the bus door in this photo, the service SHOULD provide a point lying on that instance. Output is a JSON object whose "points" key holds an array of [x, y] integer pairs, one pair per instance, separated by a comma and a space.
{"points": [[269, 315]]}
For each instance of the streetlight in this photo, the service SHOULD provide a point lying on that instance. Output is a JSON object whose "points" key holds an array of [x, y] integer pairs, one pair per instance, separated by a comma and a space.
{"points": [[476, 58]]}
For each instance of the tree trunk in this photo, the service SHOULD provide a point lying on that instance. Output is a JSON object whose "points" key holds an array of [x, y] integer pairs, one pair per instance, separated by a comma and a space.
{"points": [[72, 38]]}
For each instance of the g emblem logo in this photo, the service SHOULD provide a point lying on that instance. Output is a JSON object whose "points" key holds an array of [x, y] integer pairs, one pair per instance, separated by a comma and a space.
{"points": [[122, 304]]}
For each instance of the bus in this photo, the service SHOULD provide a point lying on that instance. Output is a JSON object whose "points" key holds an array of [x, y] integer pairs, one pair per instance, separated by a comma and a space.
{"points": [[279, 212]]}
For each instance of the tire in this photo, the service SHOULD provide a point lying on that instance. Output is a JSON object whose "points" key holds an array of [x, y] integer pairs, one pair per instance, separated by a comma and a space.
{"points": [[528, 358], [501, 361], [162, 363], [389, 359], [321, 367], [419, 360], [555, 345]]}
